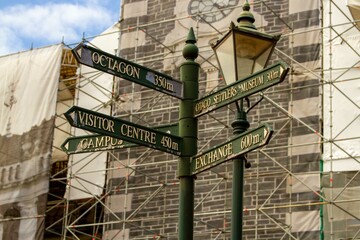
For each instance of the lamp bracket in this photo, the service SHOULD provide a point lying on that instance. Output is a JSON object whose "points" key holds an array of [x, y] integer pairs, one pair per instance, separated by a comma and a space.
{"points": [[254, 105]]}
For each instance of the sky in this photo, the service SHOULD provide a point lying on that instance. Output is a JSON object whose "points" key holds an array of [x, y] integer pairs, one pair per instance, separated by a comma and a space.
{"points": [[38, 23]]}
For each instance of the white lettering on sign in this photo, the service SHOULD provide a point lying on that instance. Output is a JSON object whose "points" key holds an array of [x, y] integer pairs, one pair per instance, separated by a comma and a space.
{"points": [[225, 95], [249, 140], [273, 75], [160, 81], [164, 83], [216, 99], [118, 66], [148, 136], [88, 119], [251, 84], [213, 156], [99, 142], [169, 143], [138, 133]]}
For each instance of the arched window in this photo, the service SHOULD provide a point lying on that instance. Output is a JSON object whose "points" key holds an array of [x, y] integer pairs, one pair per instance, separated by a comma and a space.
{"points": [[17, 172], [2, 178], [11, 174]]}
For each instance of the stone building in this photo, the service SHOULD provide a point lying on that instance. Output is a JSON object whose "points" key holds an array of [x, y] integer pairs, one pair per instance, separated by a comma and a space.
{"points": [[302, 185], [283, 184]]}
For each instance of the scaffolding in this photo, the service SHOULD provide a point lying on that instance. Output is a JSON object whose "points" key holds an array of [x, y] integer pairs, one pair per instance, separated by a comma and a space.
{"points": [[294, 189]]}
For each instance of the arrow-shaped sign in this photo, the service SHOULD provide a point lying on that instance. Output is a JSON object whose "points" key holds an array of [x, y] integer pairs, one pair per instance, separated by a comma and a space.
{"points": [[239, 145], [97, 142], [245, 87], [121, 129], [123, 68]]}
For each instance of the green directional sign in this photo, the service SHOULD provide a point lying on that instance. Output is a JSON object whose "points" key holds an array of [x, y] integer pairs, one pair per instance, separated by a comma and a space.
{"points": [[121, 129], [241, 144], [123, 68], [97, 142], [245, 87]]}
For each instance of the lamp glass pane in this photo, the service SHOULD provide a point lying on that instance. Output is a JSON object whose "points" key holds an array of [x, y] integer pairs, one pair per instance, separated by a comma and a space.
{"points": [[244, 67], [262, 60], [252, 53], [225, 55], [251, 46]]}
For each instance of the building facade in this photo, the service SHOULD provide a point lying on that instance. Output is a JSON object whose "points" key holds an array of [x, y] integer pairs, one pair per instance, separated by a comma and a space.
{"points": [[282, 187], [302, 185]]}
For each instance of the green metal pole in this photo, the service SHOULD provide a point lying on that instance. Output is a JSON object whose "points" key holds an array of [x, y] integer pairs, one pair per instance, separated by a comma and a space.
{"points": [[188, 128], [240, 125]]}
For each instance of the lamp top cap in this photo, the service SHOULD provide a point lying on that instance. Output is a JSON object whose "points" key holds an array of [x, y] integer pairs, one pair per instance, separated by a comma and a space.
{"points": [[246, 18]]}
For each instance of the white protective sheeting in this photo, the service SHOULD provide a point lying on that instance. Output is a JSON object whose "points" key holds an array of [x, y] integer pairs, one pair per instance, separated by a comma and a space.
{"points": [[341, 218], [28, 91], [342, 92], [87, 170], [342, 209], [28, 88], [62, 130], [304, 221]]}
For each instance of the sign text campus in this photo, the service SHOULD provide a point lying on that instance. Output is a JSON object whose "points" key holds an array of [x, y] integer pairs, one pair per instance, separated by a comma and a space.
{"points": [[98, 142]]}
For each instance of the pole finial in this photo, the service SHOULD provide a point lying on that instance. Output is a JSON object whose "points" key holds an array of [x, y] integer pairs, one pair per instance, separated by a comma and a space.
{"points": [[190, 51], [246, 6], [246, 18], [191, 36]]}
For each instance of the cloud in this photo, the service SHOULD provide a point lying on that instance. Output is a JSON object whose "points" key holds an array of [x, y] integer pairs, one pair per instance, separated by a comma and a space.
{"points": [[9, 41], [50, 23]]}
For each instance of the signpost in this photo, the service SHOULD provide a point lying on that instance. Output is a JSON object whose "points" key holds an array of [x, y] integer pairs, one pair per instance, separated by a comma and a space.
{"points": [[97, 142], [247, 86], [123, 68], [121, 129], [239, 145], [115, 133]]}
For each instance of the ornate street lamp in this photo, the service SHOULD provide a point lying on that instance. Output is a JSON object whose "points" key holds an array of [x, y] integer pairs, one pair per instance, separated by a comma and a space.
{"points": [[241, 52]]}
